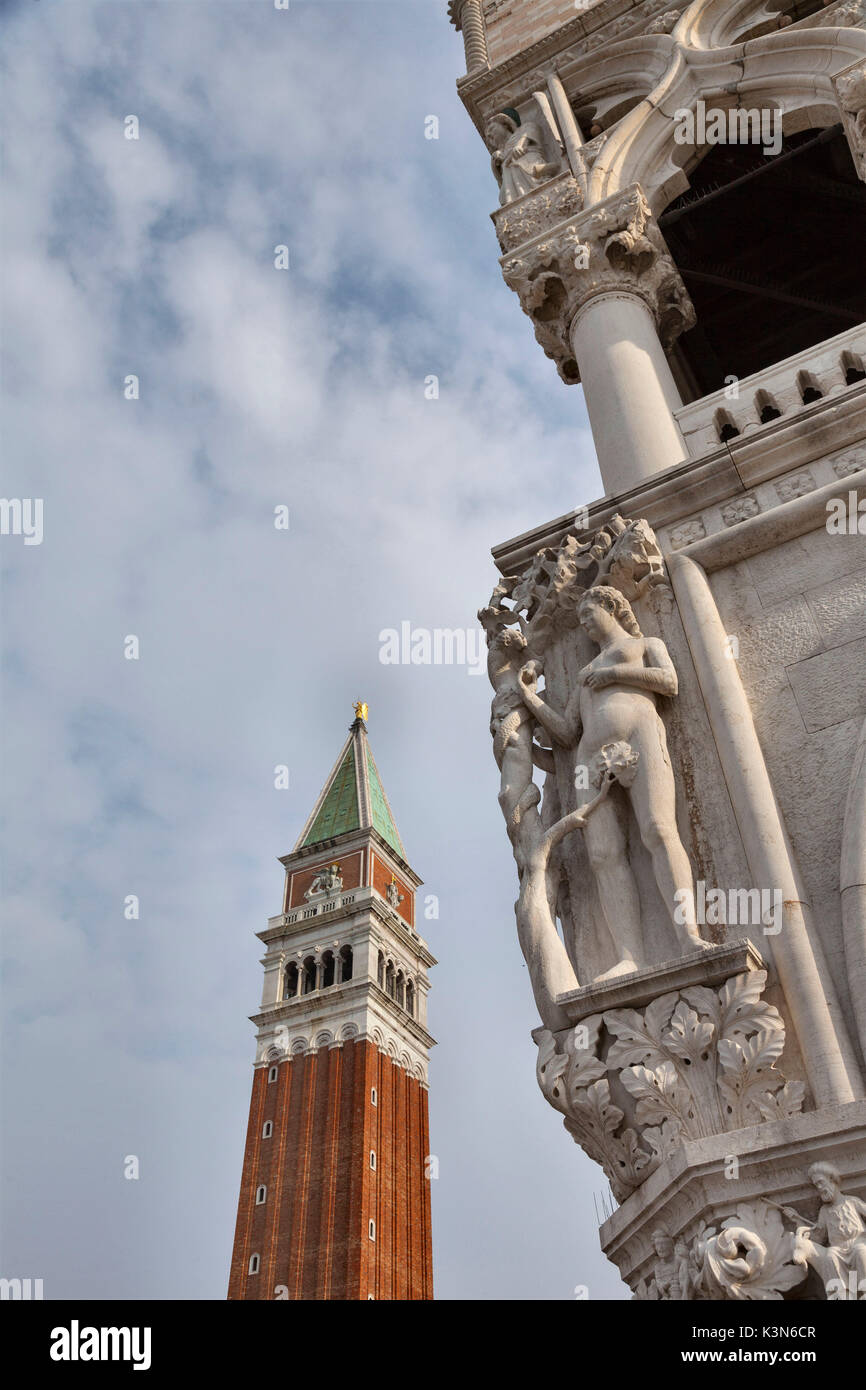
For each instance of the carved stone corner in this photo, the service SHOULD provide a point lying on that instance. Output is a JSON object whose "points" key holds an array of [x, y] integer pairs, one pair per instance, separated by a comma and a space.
{"points": [[613, 247], [664, 1056], [752, 1215], [543, 599], [636, 991], [850, 89], [537, 212]]}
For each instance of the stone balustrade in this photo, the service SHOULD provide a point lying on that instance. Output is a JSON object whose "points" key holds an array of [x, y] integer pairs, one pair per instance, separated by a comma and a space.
{"points": [[749, 404]]}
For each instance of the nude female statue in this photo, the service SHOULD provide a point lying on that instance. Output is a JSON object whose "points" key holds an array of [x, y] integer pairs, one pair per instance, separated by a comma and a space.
{"points": [[615, 701]]}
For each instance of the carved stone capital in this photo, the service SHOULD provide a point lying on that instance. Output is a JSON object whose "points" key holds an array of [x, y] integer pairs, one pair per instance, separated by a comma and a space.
{"points": [[533, 214], [634, 1084], [614, 247]]}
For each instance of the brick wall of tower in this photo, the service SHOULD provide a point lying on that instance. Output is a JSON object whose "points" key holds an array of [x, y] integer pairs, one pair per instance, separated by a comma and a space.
{"points": [[513, 25], [312, 1232]]}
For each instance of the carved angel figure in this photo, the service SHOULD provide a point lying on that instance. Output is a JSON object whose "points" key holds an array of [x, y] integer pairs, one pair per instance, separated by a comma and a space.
{"points": [[517, 155], [615, 702]]}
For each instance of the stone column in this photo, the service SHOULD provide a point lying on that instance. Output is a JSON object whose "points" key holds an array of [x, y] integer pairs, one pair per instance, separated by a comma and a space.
{"points": [[629, 389], [467, 16], [607, 302], [815, 1013]]}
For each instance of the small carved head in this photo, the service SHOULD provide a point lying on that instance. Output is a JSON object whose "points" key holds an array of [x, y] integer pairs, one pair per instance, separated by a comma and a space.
{"points": [[664, 1246], [601, 603], [498, 128], [825, 1178]]}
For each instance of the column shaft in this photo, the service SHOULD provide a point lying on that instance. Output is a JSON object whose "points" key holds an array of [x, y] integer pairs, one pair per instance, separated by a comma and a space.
{"points": [[629, 389], [474, 37], [826, 1048]]}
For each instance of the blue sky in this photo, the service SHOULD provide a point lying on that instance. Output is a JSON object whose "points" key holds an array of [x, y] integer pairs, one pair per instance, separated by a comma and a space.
{"points": [[154, 777]]}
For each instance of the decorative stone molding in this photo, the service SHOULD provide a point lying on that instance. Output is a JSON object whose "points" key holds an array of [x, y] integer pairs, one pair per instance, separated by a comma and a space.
{"points": [[796, 486], [663, 23], [850, 462], [633, 1085], [532, 215], [687, 533], [615, 247], [751, 1257], [850, 89], [740, 509]]}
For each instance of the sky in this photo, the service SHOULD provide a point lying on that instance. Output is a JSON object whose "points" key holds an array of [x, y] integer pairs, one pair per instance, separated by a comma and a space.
{"points": [[258, 388]]}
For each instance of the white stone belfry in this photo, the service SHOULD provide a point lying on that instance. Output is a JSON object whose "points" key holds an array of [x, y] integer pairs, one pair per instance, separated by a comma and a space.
{"points": [[679, 668]]}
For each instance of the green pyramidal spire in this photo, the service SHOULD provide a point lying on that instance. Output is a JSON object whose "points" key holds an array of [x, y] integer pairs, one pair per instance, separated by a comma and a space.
{"points": [[353, 797]]}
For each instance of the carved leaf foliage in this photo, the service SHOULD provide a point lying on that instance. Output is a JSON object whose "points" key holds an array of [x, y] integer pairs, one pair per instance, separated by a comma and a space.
{"points": [[595, 1108], [639, 1038], [660, 1093], [781, 1104], [746, 1063], [663, 1139], [706, 1003], [695, 1063], [742, 1007], [688, 1035]]}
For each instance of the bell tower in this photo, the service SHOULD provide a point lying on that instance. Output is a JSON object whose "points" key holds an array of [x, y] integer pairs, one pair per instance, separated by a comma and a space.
{"points": [[335, 1191], [678, 665]]}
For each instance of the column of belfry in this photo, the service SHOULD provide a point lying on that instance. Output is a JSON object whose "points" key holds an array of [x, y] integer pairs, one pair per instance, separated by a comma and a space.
{"points": [[679, 668]]}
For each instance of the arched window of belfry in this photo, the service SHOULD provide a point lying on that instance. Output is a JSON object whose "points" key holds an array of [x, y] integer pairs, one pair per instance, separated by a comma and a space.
{"points": [[410, 998], [389, 978], [380, 971], [346, 962], [328, 969], [309, 982], [400, 988], [290, 981]]}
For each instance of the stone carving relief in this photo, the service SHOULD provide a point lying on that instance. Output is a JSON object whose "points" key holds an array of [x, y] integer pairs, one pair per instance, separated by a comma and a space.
{"points": [[633, 1085], [614, 247], [663, 23], [740, 509], [756, 1254], [850, 87], [688, 532], [518, 155], [851, 13], [834, 1245], [850, 462], [595, 730], [795, 486], [327, 880], [393, 894], [751, 1257], [614, 703], [530, 216]]}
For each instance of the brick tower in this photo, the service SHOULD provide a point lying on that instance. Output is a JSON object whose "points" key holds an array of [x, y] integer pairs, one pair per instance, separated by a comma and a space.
{"points": [[335, 1192]]}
